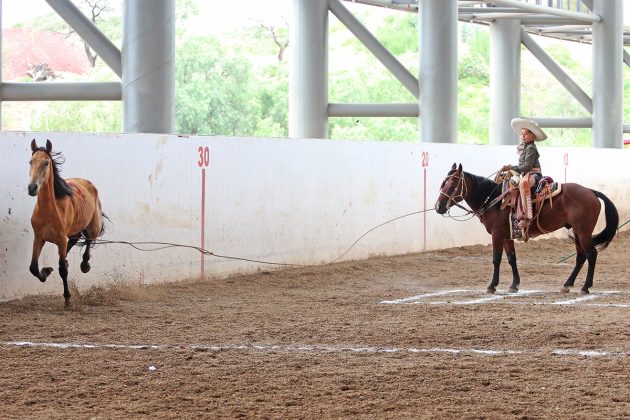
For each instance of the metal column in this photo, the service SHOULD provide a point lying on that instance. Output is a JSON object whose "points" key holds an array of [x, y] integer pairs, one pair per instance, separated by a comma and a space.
{"points": [[505, 79], [608, 74], [438, 71], [308, 82], [1, 62], [148, 64]]}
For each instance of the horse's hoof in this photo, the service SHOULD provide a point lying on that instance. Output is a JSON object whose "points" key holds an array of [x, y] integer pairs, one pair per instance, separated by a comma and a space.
{"points": [[512, 290], [490, 290], [584, 292], [85, 266], [565, 289], [45, 273]]}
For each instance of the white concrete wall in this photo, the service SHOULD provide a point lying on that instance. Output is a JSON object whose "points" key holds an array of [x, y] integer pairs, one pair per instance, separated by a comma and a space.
{"points": [[288, 201]]}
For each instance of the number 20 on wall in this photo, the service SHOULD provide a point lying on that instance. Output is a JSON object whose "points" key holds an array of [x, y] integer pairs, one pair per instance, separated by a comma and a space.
{"points": [[204, 156], [425, 159]]}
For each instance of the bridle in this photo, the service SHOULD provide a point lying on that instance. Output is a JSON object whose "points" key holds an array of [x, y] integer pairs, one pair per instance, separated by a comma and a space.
{"points": [[460, 192], [455, 197]]}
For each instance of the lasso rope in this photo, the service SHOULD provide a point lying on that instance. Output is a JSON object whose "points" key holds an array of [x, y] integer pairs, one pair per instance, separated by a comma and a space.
{"points": [[165, 245]]}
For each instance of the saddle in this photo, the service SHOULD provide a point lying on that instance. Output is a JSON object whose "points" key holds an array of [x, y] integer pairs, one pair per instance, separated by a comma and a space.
{"points": [[545, 189]]}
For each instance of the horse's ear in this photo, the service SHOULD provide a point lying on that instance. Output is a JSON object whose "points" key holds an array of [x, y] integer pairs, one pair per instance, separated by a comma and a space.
{"points": [[460, 168], [454, 166], [33, 145], [49, 147]]}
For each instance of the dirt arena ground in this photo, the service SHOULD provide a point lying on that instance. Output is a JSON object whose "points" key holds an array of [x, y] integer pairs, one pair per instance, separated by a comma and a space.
{"points": [[404, 337]]}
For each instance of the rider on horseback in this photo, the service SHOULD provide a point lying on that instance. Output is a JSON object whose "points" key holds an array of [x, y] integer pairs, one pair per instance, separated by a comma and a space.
{"points": [[527, 173]]}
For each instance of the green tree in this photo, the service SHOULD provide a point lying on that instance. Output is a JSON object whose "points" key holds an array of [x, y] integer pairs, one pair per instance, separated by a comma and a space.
{"points": [[213, 90], [399, 34]]}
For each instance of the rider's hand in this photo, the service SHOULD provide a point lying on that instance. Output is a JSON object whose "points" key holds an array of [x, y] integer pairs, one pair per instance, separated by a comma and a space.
{"points": [[506, 168]]}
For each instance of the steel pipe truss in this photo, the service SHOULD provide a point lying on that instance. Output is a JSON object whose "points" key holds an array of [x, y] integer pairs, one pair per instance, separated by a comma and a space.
{"points": [[555, 22], [79, 91]]}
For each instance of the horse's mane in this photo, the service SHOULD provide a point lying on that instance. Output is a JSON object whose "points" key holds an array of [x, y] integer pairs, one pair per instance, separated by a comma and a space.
{"points": [[62, 188], [482, 189]]}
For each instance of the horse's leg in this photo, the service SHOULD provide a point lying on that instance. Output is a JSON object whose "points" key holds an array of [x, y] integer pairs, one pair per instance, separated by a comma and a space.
{"points": [[510, 252], [85, 264], [91, 234], [580, 259], [62, 246], [72, 242], [590, 255], [497, 254], [38, 244]]}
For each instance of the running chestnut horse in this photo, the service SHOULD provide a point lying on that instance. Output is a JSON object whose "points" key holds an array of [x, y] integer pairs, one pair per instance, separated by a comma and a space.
{"points": [[576, 207], [65, 212]]}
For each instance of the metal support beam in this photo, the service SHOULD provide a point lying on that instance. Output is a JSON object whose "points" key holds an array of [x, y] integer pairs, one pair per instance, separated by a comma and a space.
{"points": [[1, 55], [438, 70], [626, 57], [374, 110], [89, 32], [505, 80], [389, 4], [557, 72], [308, 81], [371, 43], [549, 10], [84, 91], [148, 59], [526, 19], [561, 122], [608, 74]]}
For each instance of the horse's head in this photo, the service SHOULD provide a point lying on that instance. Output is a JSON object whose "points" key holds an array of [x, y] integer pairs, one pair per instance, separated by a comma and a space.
{"points": [[451, 190], [40, 164]]}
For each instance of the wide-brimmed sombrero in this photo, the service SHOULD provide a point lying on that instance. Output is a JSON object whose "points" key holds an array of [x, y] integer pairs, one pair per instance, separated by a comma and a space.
{"points": [[519, 123]]}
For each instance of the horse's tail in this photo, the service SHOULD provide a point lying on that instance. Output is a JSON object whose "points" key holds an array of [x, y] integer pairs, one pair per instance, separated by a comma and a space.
{"points": [[103, 219], [603, 238]]}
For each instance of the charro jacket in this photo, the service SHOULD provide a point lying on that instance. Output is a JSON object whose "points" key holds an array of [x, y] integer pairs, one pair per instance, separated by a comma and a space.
{"points": [[527, 158]]}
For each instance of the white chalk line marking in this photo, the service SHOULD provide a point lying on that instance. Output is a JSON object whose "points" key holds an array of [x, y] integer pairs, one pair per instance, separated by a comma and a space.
{"points": [[494, 297], [583, 298], [425, 295], [500, 296], [311, 348]]}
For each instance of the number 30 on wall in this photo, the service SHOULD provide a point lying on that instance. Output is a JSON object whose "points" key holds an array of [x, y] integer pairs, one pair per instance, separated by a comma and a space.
{"points": [[204, 156]]}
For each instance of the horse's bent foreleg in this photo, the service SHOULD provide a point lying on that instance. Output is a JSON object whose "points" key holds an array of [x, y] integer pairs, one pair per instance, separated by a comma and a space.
{"points": [[510, 252], [38, 244], [497, 254]]}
